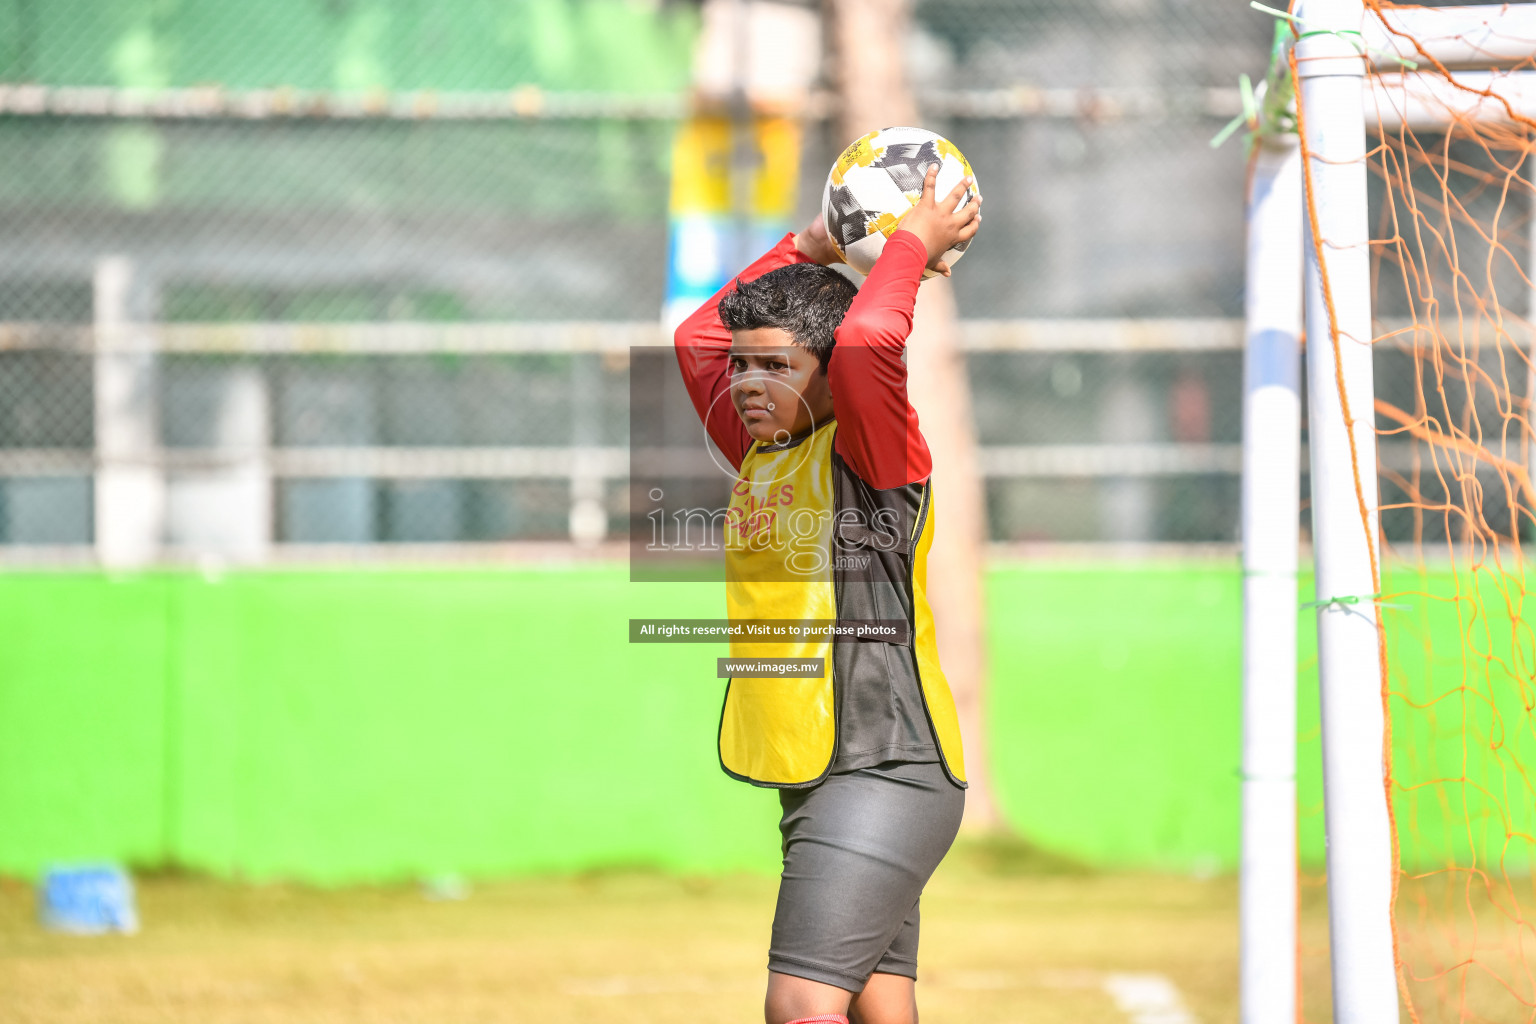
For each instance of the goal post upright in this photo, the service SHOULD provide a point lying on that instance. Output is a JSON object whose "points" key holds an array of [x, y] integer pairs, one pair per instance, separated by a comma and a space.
{"points": [[1271, 498], [1331, 71]]}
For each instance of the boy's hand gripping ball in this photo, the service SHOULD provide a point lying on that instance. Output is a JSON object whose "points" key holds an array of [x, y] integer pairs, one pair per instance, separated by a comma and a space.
{"points": [[878, 180]]}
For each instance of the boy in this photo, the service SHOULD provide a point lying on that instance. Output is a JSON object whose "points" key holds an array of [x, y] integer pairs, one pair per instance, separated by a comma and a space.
{"points": [[800, 382]]}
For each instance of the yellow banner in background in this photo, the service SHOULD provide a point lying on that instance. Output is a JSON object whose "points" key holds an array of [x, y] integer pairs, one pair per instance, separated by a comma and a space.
{"points": [[702, 160]]}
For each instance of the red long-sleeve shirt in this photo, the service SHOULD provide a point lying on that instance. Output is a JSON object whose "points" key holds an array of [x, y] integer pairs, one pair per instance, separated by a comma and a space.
{"points": [[877, 428]]}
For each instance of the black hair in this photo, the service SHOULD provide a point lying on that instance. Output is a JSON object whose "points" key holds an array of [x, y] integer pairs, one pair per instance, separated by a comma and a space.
{"points": [[806, 299]]}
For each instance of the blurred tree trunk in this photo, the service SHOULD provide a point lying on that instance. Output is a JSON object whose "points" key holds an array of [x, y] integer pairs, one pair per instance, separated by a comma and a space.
{"points": [[868, 43]]}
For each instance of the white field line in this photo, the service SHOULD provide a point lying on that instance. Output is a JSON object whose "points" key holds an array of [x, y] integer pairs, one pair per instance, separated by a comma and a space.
{"points": [[1148, 999], [1144, 998]]}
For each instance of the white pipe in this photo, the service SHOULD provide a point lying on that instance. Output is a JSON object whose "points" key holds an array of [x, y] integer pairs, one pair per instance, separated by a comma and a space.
{"points": [[1271, 507], [1455, 36], [1345, 543], [129, 492], [1426, 101]]}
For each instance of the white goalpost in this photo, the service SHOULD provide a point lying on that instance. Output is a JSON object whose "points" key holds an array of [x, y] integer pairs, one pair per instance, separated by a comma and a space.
{"points": [[1341, 426], [1330, 288], [1271, 500]]}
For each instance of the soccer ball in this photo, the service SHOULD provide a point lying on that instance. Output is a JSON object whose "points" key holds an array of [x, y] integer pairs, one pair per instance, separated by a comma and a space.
{"points": [[877, 180]]}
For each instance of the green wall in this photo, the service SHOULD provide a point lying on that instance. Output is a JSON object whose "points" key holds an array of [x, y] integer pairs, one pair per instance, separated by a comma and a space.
{"points": [[346, 726], [1117, 710]]}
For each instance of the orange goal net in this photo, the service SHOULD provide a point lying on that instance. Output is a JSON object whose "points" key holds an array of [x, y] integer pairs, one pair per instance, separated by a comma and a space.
{"points": [[1453, 219]]}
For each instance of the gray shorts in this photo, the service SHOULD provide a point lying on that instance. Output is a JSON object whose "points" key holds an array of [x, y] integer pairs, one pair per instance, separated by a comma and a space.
{"points": [[858, 850]]}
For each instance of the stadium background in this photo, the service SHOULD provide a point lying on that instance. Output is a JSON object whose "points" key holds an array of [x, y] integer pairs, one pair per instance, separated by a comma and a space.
{"points": [[419, 670]]}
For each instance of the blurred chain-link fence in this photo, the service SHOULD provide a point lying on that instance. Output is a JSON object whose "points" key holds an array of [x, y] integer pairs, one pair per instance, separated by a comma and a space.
{"points": [[302, 312]]}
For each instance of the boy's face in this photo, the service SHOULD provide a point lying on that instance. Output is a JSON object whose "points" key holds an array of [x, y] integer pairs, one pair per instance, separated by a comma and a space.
{"points": [[777, 387]]}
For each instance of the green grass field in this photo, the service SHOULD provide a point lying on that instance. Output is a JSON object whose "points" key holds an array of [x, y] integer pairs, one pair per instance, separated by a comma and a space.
{"points": [[1005, 939], [1010, 936]]}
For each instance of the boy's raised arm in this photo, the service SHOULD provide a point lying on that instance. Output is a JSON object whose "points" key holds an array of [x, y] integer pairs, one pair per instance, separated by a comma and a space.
{"points": [[877, 431], [703, 346]]}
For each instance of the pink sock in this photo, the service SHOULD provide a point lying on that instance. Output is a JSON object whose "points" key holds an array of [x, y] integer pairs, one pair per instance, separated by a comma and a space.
{"points": [[825, 1018]]}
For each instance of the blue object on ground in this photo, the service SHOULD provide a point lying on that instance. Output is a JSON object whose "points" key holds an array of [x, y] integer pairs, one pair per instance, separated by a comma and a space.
{"points": [[87, 899]]}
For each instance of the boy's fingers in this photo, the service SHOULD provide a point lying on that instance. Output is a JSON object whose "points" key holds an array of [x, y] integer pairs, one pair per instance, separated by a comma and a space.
{"points": [[942, 268], [928, 182], [957, 194]]}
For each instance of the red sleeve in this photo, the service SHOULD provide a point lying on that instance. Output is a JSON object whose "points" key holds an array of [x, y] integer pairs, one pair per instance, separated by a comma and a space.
{"points": [[877, 431], [703, 346]]}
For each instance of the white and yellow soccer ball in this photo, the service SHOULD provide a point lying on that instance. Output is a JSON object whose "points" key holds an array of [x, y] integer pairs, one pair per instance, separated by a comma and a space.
{"points": [[877, 180]]}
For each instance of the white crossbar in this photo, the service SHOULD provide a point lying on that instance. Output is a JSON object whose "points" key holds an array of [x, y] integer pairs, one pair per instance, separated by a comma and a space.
{"points": [[1479, 36], [1423, 101]]}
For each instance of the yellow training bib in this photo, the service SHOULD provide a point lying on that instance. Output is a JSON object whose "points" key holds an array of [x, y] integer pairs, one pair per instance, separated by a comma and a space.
{"points": [[778, 566]]}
